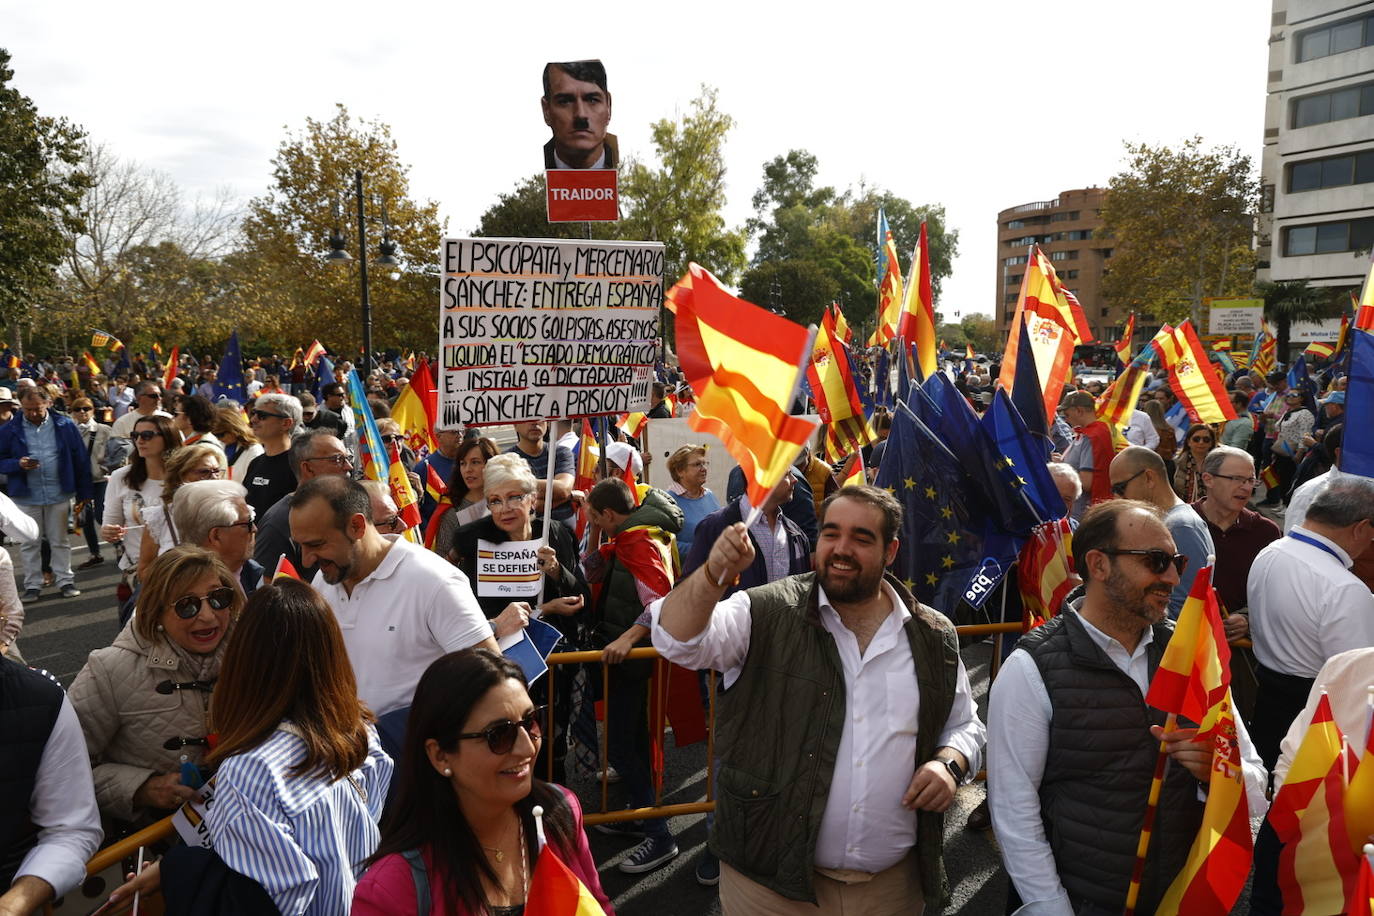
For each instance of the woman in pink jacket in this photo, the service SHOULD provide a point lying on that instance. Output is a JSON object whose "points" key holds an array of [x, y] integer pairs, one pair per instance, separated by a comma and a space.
{"points": [[460, 836]]}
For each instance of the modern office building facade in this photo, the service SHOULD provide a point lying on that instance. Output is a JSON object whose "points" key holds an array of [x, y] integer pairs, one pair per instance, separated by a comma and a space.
{"points": [[1317, 169]]}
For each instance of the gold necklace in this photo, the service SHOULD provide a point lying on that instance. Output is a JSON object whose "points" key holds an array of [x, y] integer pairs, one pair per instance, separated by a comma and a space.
{"points": [[498, 854]]}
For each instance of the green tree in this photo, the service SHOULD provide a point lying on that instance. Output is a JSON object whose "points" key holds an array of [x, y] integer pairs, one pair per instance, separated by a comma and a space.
{"points": [[802, 289], [981, 331], [283, 277], [679, 201], [523, 214], [40, 195], [796, 221], [1184, 222]]}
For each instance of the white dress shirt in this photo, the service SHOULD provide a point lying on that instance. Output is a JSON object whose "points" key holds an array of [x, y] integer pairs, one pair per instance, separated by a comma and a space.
{"points": [[1306, 605], [1019, 714], [1142, 430], [864, 826], [1302, 497], [1347, 679], [63, 808]]}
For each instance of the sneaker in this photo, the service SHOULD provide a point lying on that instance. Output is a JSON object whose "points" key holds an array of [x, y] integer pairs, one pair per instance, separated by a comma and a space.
{"points": [[649, 855], [708, 870], [32, 595], [622, 828], [95, 560], [70, 591]]}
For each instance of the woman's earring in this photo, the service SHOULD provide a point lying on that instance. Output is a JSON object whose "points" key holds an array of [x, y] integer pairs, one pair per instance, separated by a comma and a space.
{"points": [[447, 771]]}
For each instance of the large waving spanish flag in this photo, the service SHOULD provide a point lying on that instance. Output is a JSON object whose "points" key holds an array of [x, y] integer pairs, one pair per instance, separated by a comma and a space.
{"points": [[1191, 376], [1055, 323], [917, 322], [1193, 681], [744, 363]]}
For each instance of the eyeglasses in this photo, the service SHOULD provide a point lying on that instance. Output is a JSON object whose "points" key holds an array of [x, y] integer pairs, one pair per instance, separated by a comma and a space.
{"points": [[82, 409], [250, 525], [395, 524], [206, 473], [146, 435], [263, 414], [1119, 488], [1156, 560], [1243, 481], [501, 736], [512, 501], [188, 606], [342, 461]]}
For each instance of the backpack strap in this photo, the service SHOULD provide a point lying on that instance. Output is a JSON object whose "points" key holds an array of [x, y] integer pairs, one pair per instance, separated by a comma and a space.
{"points": [[421, 878]]}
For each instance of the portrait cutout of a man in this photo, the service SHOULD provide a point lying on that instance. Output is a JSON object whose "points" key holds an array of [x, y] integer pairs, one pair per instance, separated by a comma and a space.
{"points": [[577, 108]]}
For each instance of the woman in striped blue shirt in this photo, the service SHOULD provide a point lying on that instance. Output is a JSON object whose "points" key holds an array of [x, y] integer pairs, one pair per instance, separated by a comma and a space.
{"points": [[301, 777]]}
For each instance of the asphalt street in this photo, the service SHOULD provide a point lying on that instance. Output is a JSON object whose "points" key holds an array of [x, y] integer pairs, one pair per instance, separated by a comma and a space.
{"points": [[60, 632]]}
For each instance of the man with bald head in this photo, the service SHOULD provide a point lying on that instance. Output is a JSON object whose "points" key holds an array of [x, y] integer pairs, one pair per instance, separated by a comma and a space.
{"points": [[1068, 811], [1139, 473]]}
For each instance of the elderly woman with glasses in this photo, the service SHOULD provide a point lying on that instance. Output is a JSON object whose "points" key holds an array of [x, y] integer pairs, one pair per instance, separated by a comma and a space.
{"points": [[191, 463], [510, 487], [144, 700]]}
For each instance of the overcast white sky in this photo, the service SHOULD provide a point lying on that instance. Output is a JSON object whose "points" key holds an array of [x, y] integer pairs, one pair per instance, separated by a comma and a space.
{"points": [[977, 106]]}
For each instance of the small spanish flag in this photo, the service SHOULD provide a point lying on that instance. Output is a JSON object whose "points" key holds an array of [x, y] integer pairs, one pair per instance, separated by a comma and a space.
{"points": [[855, 474], [632, 423], [556, 891], [286, 570], [1270, 477]]}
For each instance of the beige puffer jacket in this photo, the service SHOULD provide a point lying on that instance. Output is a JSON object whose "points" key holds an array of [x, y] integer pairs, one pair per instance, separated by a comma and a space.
{"points": [[126, 719]]}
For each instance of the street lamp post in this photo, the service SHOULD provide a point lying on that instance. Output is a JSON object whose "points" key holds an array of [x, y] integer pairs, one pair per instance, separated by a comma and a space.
{"points": [[338, 254]]}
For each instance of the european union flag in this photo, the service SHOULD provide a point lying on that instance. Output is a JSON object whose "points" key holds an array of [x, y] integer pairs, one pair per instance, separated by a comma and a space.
{"points": [[1299, 379], [935, 542], [882, 381], [1023, 468], [324, 374], [1357, 449], [229, 379]]}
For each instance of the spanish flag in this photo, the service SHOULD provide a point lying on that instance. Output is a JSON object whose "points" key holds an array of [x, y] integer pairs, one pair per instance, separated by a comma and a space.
{"points": [[409, 411], [889, 286], [1359, 797], [315, 352], [855, 475], [1193, 680], [1123, 346], [1191, 377], [842, 328], [556, 891], [1117, 403], [1056, 325], [171, 371], [743, 363], [836, 392], [587, 455], [1362, 900], [631, 423], [917, 322], [286, 570], [90, 362]]}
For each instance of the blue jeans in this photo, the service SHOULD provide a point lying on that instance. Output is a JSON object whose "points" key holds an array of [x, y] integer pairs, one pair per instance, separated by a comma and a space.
{"points": [[52, 525], [627, 738]]}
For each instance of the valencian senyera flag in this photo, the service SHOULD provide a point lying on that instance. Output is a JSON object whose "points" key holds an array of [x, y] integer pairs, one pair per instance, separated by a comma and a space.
{"points": [[745, 365], [1193, 681]]}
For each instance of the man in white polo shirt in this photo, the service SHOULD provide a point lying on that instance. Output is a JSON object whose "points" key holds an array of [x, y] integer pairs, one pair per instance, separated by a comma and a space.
{"points": [[1307, 606], [400, 606]]}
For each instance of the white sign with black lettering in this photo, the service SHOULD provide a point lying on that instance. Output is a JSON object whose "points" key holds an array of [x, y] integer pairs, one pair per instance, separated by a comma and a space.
{"points": [[509, 570], [534, 329], [189, 819]]}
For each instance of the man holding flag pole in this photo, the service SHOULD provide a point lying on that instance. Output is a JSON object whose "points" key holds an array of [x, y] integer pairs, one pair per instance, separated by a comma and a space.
{"points": [[1073, 747]]}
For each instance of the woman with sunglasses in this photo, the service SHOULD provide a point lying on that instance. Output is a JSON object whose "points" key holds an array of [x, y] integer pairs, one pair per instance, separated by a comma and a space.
{"points": [[462, 818], [234, 433], [465, 492], [144, 701], [190, 463], [1188, 484], [136, 485], [300, 779]]}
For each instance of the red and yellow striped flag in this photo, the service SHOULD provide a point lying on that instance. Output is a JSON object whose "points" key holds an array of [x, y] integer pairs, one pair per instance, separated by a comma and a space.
{"points": [[407, 506], [410, 414], [842, 329], [315, 352], [631, 423], [1118, 402], [556, 891], [587, 455], [744, 363], [1056, 325], [1317, 868], [1191, 376], [1359, 797], [1193, 681], [889, 296], [1364, 309], [286, 570], [90, 362], [1123, 346], [836, 392], [855, 475], [1320, 350], [917, 322], [171, 371], [1362, 900]]}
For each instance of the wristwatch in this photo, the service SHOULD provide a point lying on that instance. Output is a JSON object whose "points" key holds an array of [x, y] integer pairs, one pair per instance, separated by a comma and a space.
{"points": [[954, 769]]}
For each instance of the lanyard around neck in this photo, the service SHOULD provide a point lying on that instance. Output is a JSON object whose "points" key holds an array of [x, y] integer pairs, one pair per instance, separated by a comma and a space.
{"points": [[1297, 535]]}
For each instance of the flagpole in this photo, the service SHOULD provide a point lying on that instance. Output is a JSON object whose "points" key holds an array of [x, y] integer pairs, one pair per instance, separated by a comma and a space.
{"points": [[1147, 828], [755, 511], [552, 450]]}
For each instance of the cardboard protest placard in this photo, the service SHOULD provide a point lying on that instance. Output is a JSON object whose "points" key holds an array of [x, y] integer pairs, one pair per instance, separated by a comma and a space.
{"points": [[508, 570], [534, 329], [189, 819]]}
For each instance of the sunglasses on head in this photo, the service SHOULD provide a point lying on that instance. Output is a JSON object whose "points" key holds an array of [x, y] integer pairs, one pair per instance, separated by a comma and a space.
{"points": [[501, 736], [146, 435], [1156, 560], [188, 606]]}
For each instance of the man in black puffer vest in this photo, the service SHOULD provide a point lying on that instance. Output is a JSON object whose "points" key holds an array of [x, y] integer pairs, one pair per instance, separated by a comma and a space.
{"points": [[1072, 745], [846, 724], [49, 824]]}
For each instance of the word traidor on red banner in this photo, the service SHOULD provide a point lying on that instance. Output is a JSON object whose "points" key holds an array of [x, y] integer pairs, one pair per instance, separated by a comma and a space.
{"points": [[582, 195]]}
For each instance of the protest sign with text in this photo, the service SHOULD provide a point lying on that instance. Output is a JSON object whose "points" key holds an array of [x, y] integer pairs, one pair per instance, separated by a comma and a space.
{"points": [[540, 329]]}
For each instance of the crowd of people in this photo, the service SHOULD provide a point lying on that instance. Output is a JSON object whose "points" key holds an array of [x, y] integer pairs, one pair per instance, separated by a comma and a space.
{"points": [[371, 750]]}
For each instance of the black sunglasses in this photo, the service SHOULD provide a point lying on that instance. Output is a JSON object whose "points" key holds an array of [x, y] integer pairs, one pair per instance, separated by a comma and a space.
{"points": [[1119, 489], [263, 414], [147, 435], [501, 736], [188, 606], [1156, 560]]}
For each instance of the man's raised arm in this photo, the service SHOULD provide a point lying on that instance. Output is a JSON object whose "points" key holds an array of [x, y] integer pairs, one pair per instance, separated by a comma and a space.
{"points": [[687, 609]]}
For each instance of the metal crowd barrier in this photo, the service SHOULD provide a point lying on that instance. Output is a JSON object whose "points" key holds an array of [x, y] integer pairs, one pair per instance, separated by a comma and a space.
{"points": [[128, 846]]}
